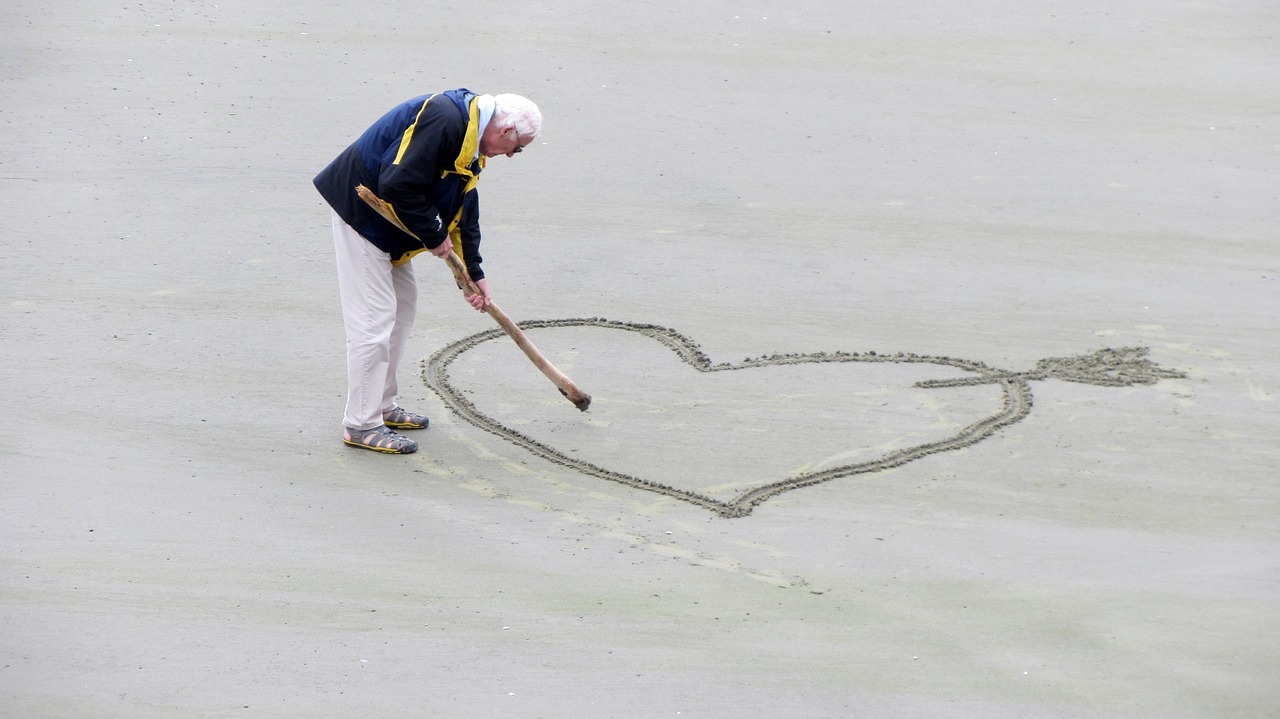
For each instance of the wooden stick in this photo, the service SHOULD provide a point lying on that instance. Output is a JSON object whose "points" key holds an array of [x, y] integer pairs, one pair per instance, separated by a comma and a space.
{"points": [[580, 399]]}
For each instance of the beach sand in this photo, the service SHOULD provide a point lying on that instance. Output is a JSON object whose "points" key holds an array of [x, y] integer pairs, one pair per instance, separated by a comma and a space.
{"points": [[182, 533]]}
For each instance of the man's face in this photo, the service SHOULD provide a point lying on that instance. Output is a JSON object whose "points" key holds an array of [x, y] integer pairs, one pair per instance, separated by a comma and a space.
{"points": [[501, 141]]}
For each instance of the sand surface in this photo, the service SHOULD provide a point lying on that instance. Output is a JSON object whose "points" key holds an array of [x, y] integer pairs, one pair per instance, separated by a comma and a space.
{"points": [[183, 535]]}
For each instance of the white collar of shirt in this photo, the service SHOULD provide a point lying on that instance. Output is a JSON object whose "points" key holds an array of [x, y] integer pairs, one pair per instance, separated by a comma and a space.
{"points": [[485, 104]]}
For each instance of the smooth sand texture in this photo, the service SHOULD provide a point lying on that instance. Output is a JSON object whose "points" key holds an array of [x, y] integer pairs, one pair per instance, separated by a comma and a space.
{"points": [[184, 535]]}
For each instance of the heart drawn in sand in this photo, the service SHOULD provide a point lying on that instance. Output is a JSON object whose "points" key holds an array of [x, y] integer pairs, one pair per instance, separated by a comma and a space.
{"points": [[560, 439]]}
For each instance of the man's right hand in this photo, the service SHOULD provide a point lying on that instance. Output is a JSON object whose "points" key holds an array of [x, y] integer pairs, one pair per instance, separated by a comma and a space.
{"points": [[481, 300]]}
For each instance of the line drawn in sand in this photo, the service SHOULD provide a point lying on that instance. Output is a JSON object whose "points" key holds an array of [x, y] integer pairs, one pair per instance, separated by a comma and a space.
{"points": [[1109, 367]]}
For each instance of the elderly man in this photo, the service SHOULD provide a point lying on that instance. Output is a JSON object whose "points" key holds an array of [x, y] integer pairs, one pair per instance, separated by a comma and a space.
{"points": [[423, 159]]}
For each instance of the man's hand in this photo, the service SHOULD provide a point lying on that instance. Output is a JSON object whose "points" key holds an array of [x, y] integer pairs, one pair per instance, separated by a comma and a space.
{"points": [[481, 300], [442, 250]]}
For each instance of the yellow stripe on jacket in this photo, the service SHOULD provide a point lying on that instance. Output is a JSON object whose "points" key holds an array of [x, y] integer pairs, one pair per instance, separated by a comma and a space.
{"points": [[461, 166], [407, 137]]}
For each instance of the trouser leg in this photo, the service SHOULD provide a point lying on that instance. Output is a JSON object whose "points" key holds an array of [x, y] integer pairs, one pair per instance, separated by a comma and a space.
{"points": [[369, 310], [405, 284]]}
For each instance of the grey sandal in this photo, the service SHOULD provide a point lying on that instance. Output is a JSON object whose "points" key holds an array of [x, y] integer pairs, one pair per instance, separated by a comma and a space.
{"points": [[379, 439], [401, 418]]}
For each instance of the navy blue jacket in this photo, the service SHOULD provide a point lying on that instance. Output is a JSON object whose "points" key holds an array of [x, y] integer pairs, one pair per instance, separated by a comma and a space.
{"points": [[420, 158]]}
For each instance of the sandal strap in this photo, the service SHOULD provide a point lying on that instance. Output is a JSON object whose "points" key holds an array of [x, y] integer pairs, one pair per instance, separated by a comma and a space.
{"points": [[402, 418], [381, 438]]}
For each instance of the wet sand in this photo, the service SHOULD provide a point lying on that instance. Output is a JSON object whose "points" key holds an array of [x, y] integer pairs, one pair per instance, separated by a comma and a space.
{"points": [[991, 185]]}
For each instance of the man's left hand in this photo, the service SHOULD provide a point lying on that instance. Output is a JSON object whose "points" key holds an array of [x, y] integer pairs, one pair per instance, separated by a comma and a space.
{"points": [[443, 249]]}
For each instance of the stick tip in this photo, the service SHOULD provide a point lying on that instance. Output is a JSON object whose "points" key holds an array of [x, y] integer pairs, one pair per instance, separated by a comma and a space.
{"points": [[580, 399]]}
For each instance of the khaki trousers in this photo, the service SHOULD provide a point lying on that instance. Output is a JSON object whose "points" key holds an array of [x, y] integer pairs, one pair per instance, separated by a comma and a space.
{"points": [[379, 302]]}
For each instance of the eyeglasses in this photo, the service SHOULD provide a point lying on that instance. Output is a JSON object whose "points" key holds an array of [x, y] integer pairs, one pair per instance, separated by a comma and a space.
{"points": [[518, 149]]}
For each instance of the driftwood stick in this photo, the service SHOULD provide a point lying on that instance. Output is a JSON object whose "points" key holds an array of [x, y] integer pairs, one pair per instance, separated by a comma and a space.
{"points": [[580, 399]]}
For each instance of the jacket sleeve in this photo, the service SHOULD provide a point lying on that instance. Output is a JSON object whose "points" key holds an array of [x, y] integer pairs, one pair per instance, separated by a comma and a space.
{"points": [[469, 235], [409, 171]]}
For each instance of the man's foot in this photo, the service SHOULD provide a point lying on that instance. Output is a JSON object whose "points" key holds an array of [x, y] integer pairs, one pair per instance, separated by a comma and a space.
{"points": [[404, 419], [379, 439]]}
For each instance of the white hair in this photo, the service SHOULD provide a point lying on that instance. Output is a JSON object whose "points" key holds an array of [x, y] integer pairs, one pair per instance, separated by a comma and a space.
{"points": [[519, 112]]}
